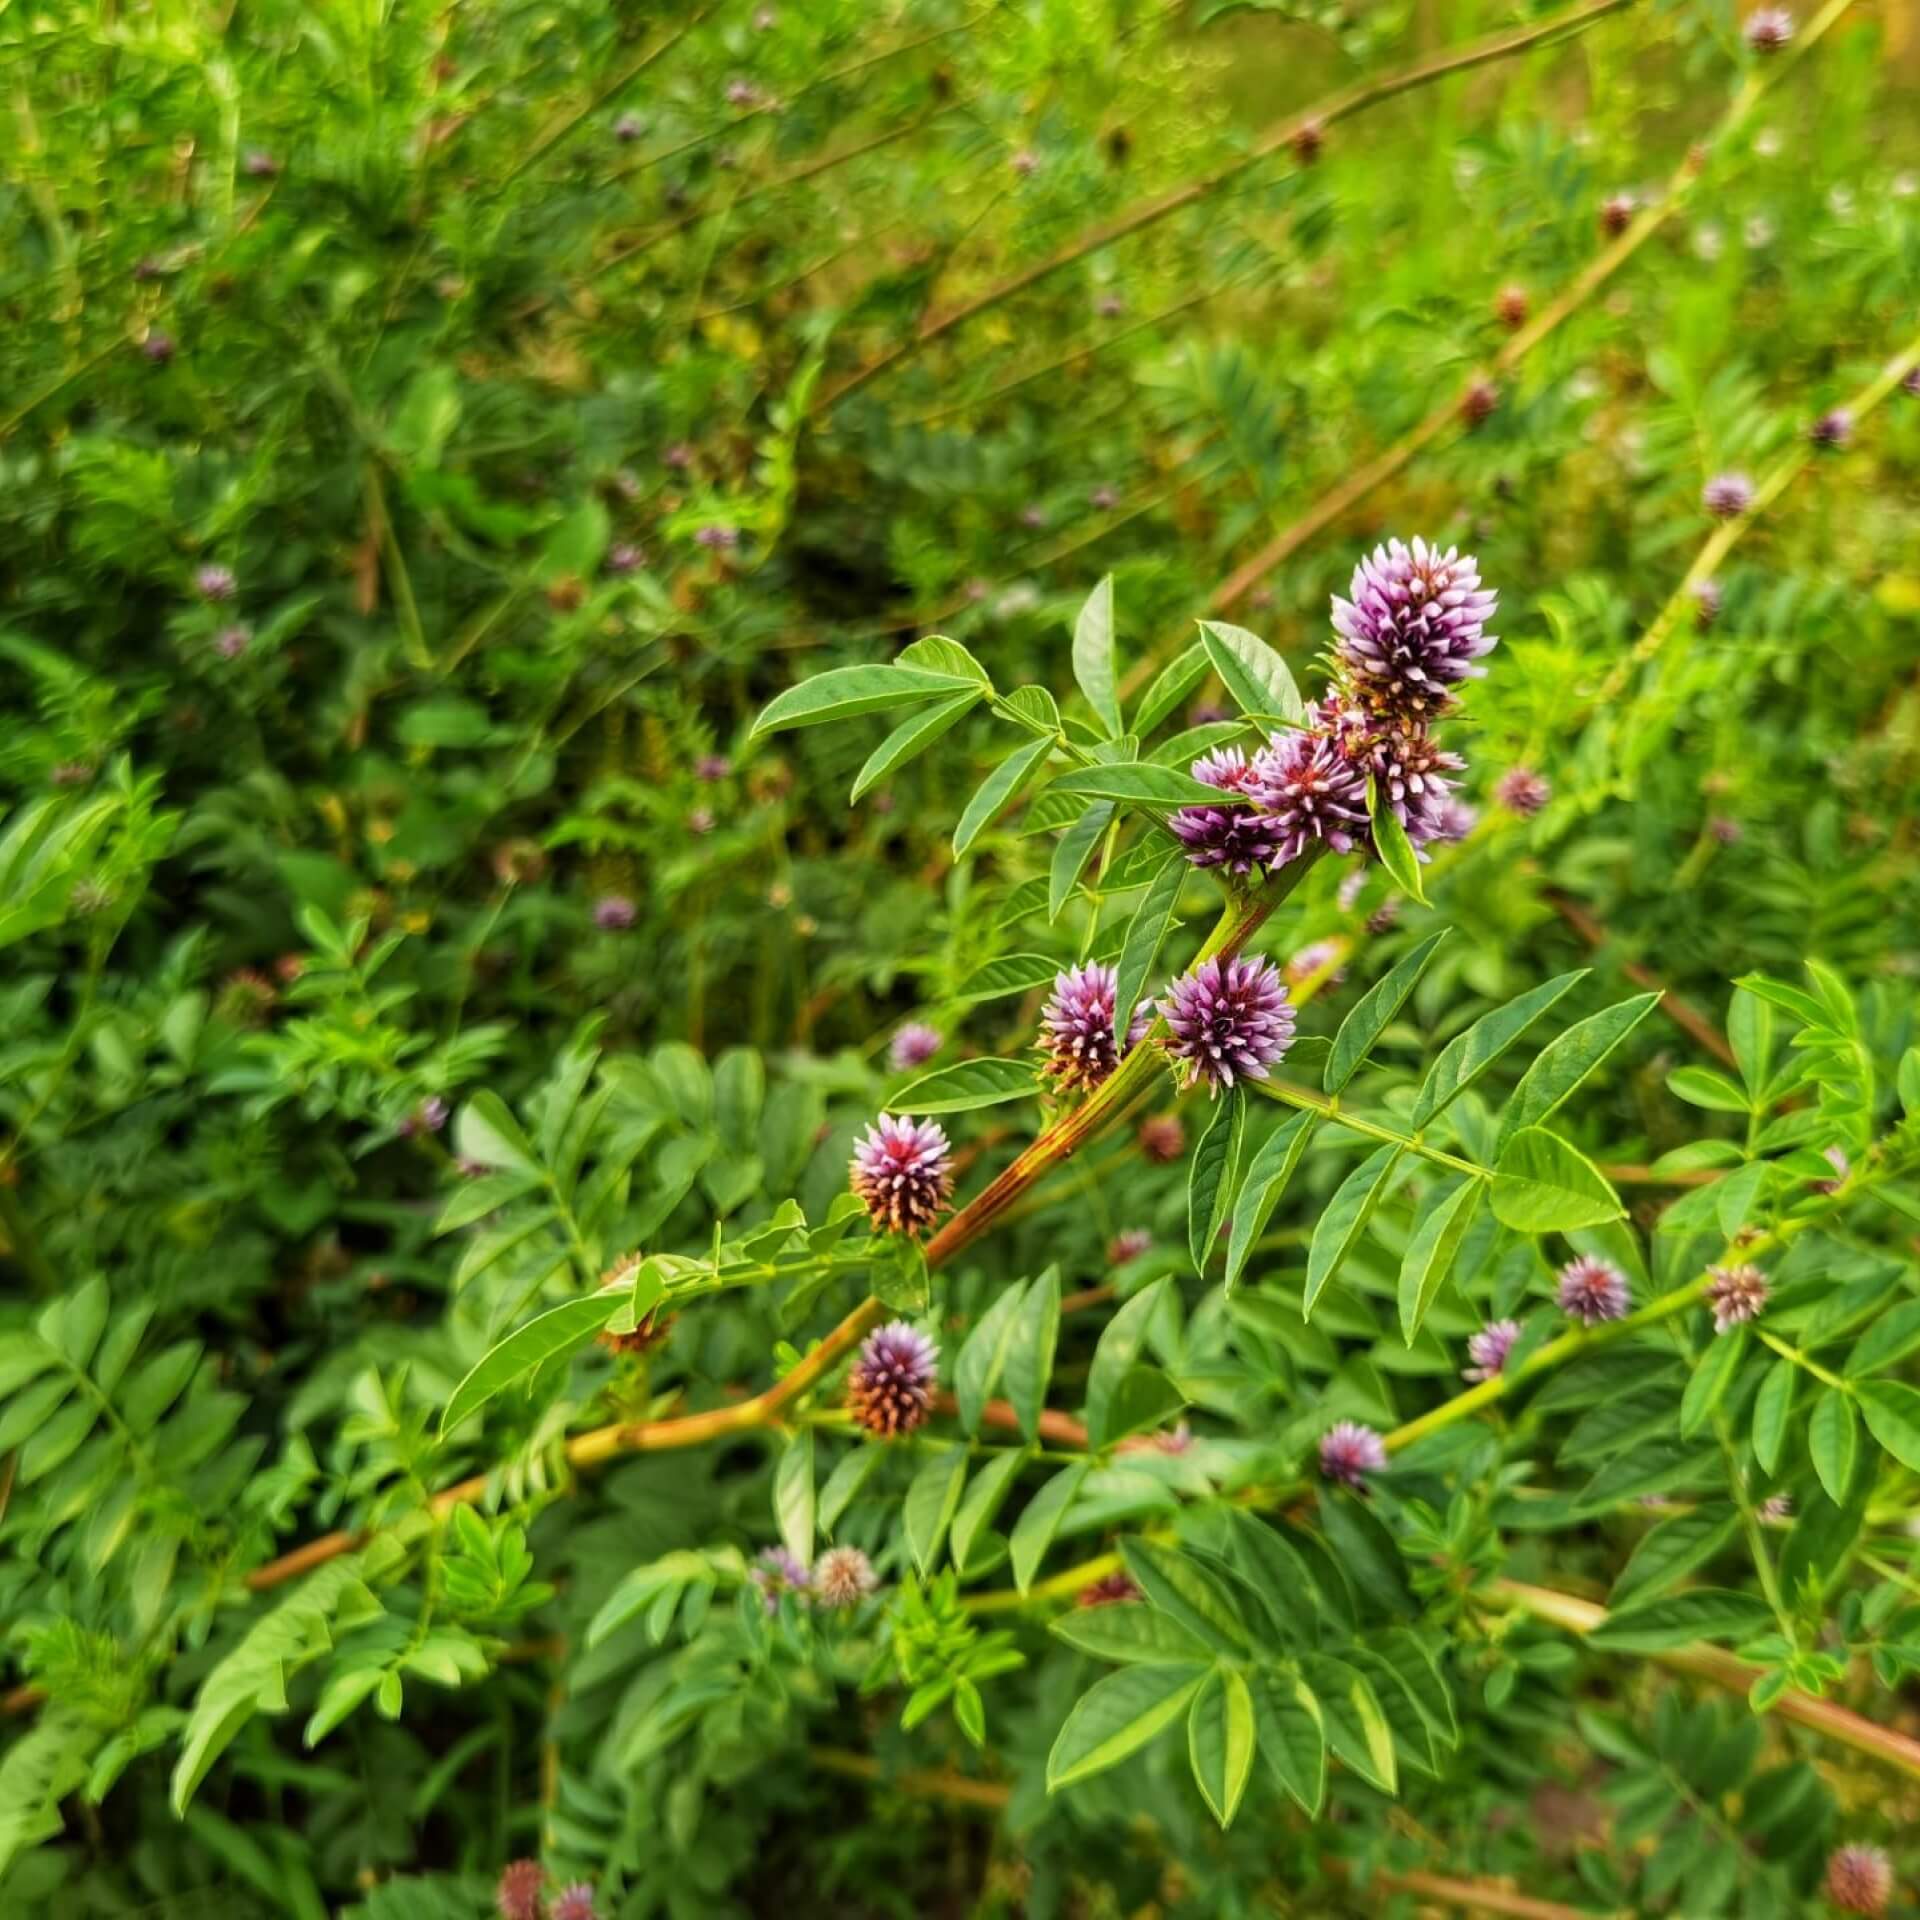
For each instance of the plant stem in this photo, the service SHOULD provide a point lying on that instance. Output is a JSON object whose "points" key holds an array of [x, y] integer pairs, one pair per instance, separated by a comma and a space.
{"points": [[1329, 1107]]}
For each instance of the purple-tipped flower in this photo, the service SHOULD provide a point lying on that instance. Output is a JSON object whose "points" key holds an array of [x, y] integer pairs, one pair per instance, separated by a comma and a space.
{"points": [[573, 1903], [1859, 1879], [1033, 517], [1076, 1029], [1833, 429], [614, 913], [843, 1577], [1736, 1294], [1026, 163], [158, 347], [1520, 790], [903, 1172], [1103, 499], [1592, 1290], [741, 93], [1616, 213], [913, 1046], [628, 128], [890, 1389], [1110, 306], [518, 1895], [258, 165], [1410, 772], [1128, 1244], [1349, 1452], [1230, 1022], [1911, 384], [428, 1117], [1836, 1158], [1162, 1138], [1312, 959], [1307, 789], [720, 539], [231, 642], [777, 1572], [1231, 835], [712, 767], [1413, 627], [214, 583], [1706, 601], [1727, 495], [625, 559], [1776, 1509], [1727, 832], [1488, 1349], [1768, 29], [678, 457]]}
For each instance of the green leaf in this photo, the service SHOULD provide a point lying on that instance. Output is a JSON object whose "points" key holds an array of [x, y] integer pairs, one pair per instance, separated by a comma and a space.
{"points": [[965, 1085], [1568, 1060], [1372, 1014], [1170, 687], [1138, 783], [1119, 1349], [1468, 1055], [1146, 932], [1892, 1414], [996, 793], [1033, 1532], [1071, 854], [486, 1132], [1344, 1219], [1255, 677], [1430, 1253], [1293, 1743], [977, 1371], [1093, 668], [558, 1331], [1260, 1192], [1196, 1596], [1220, 1741], [1144, 1398], [1356, 1728], [1133, 1634], [1702, 1087], [844, 1484], [1030, 1355], [1889, 1340], [1210, 1177], [1011, 973], [910, 738], [1542, 1185], [842, 692], [1116, 1717], [1833, 1439], [937, 654], [1702, 1613], [1771, 1407], [933, 1496], [1750, 1029], [1359, 1541], [1673, 1549], [985, 1493], [793, 1496], [1390, 842], [1708, 1383]]}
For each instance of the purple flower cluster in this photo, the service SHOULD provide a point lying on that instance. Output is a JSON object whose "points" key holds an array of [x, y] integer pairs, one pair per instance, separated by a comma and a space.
{"points": [[1349, 1452], [1592, 1290], [1736, 1294], [890, 1389], [520, 1894], [903, 1173], [1229, 1021], [1488, 1349], [1077, 1043], [913, 1046]]}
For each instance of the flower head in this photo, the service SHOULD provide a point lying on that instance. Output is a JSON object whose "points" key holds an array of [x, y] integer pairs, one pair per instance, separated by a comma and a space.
{"points": [[1110, 306], [1230, 835], [231, 642], [1616, 213], [1510, 306], [1768, 29], [158, 347], [1777, 1508], [1309, 138], [1111, 1589], [712, 767], [614, 913], [1836, 1158], [518, 1895], [573, 1903], [1833, 429], [628, 128], [1314, 958], [1520, 790], [1230, 1022], [890, 1389], [718, 539], [1414, 626], [1349, 1452], [903, 1172], [1859, 1879], [700, 820], [1592, 1290], [214, 583], [1307, 789], [1735, 1294], [1025, 163], [1162, 1138], [741, 93], [625, 558], [1706, 601], [1478, 399], [777, 1572], [1103, 499], [1076, 1029], [1411, 774], [1727, 832], [913, 1046], [428, 1117], [1128, 1244], [1488, 1349], [1727, 495], [843, 1577]]}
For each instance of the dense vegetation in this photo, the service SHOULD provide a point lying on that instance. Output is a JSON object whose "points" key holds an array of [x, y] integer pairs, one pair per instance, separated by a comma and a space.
{"points": [[772, 1141]]}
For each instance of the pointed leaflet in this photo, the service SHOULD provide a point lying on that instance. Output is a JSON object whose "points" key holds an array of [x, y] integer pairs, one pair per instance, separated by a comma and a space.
{"points": [[1116, 1717], [1145, 933], [793, 1496], [1210, 1177], [1093, 668], [1171, 685], [985, 1493], [1771, 1406], [977, 1372], [1033, 1532], [912, 736], [1542, 1185], [1011, 973], [1833, 1441], [1071, 855], [1390, 842], [1708, 1383], [1139, 783], [842, 692], [1196, 1596], [995, 793], [1344, 1219], [1429, 1257], [844, 1484], [1356, 1728], [1261, 1190], [1113, 1359], [1220, 1741], [966, 1085], [932, 1496], [1370, 1017], [1567, 1060], [1892, 1414], [1293, 1743], [1255, 677], [558, 1331], [1029, 1365], [1131, 1633], [1468, 1055], [1674, 1549], [1701, 1613]]}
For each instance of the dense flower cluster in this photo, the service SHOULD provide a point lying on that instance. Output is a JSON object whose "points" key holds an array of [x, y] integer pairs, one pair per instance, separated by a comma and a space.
{"points": [[1592, 1290], [1488, 1349], [903, 1173], [1735, 1294], [1414, 628], [843, 1577], [1077, 1044], [1859, 1879], [1230, 1021], [1727, 495], [1349, 1452], [890, 1389], [913, 1046]]}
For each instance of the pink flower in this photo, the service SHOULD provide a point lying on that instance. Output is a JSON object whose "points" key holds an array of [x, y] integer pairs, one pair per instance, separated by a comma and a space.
{"points": [[1349, 1452]]}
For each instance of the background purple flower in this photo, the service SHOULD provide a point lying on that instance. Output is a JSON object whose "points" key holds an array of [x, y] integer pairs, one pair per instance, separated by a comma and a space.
{"points": [[614, 913], [1833, 429], [913, 1046], [1735, 1294], [777, 1572], [1727, 495], [903, 1172], [1229, 1021], [214, 582], [1349, 1452], [843, 1577], [1591, 1290], [1520, 790], [1859, 1879], [1128, 1244], [573, 1902], [1488, 1349], [890, 1389], [1768, 29], [518, 1894]]}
